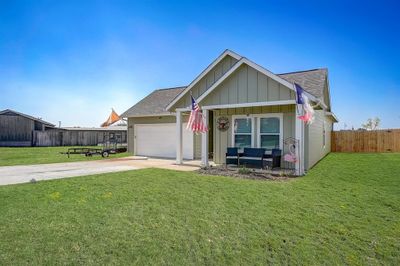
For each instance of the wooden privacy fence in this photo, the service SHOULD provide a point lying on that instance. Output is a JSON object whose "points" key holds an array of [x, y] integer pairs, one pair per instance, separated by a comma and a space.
{"points": [[366, 141], [75, 137]]}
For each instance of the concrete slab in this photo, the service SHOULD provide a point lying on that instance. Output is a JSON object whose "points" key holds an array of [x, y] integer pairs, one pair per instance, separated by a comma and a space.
{"points": [[25, 173]]}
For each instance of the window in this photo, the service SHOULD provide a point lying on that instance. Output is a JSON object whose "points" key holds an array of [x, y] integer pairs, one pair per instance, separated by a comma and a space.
{"points": [[38, 126], [270, 132], [264, 131], [242, 132]]}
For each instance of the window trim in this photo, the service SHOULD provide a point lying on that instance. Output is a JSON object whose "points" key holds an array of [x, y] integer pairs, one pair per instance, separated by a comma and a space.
{"points": [[252, 128], [270, 115], [255, 118]]}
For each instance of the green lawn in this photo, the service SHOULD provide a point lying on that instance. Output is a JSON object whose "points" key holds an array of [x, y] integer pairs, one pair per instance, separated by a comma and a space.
{"points": [[40, 155], [345, 211]]}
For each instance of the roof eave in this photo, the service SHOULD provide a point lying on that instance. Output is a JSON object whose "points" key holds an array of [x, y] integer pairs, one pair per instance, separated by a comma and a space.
{"points": [[331, 114]]}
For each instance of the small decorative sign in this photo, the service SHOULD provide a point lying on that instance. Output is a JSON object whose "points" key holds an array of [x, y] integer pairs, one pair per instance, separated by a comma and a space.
{"points": [[223, 123], [292, 144]]}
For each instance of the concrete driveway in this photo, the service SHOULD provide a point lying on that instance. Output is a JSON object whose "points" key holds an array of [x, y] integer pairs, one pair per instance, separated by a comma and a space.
{"points": [[25, 173]]}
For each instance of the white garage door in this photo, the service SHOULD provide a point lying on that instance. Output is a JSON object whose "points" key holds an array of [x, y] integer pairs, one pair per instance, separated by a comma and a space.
{"points": [[159, 140]]}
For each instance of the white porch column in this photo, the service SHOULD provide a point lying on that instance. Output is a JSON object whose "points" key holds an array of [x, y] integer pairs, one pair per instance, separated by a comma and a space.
{"points": [[204, 142], [179, 136], [299, 135]]}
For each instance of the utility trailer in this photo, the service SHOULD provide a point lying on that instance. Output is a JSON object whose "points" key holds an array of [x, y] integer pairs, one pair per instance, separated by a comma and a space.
{"points": [[111, 145], [95, 151]]}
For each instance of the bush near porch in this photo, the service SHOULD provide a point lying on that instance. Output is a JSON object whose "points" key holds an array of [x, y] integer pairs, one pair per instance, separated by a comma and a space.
{"points": [[345, 211]]}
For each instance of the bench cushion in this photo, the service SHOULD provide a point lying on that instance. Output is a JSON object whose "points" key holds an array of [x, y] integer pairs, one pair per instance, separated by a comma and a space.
{"points": [[232, 151], [253, 152]]}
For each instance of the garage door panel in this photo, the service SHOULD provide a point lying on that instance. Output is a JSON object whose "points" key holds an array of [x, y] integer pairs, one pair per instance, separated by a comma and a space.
{"points": [[159, 140]]}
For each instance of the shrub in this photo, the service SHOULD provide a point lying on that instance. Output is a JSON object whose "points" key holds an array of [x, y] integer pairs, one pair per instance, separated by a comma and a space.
{"points": [[244, 170]]}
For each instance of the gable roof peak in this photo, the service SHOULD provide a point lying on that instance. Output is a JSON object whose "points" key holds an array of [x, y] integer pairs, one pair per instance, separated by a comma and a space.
{"points": [[232, 53], [225, 53]]}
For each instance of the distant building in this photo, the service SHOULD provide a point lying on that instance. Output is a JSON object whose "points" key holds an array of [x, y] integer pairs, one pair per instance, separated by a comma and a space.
{"points": [[22, 130], [83, 136], [17, 129]]}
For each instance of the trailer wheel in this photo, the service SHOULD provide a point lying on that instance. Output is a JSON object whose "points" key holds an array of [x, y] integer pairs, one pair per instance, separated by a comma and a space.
{"points": [[104, 154]]}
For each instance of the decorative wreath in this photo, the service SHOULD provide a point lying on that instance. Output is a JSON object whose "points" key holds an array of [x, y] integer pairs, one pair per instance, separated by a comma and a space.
{"points": [[223, 123]]}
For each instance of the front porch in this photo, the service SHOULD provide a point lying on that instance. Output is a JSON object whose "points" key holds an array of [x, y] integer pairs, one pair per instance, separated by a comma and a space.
{"points": [[255, 125]]}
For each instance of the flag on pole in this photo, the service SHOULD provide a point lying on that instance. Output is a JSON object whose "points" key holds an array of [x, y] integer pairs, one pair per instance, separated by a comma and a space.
{"points": [[299, 94], [196, 121], [308, 112]]}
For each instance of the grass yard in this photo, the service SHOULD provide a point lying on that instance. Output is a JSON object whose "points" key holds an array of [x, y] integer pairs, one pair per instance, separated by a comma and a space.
{"points": [[345, 211], [41, 155]]}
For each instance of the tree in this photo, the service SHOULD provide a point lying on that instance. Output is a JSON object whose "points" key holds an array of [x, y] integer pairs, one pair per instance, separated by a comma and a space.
{"points": [[372, 123]]}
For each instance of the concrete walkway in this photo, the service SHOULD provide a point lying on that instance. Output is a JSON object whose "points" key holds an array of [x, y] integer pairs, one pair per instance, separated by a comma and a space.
{"points": [[25, 173]]}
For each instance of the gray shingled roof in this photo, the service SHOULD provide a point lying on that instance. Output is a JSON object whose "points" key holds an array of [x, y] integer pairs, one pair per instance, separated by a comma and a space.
{"points": [[154, 103], [313, 81]]}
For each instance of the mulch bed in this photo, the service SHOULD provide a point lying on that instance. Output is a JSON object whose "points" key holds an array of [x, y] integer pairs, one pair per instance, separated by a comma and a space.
{"points": [[247, 173]]}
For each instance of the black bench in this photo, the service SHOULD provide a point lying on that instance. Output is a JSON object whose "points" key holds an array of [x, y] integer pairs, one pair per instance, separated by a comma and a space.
{"points": [[253, 157]]}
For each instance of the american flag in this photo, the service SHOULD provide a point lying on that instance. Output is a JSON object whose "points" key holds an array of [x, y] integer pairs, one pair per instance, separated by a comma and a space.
{"points": [[196, 121]]}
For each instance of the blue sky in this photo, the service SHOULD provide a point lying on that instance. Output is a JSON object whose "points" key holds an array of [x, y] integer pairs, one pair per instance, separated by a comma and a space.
{"points": [[71, 61]]}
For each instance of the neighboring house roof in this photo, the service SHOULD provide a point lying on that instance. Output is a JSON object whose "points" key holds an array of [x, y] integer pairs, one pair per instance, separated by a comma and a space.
{"points": [[155, 103], [9, 111], [313, 81]]}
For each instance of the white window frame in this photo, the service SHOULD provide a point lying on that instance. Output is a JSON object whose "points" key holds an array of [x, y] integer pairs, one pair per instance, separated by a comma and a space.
{"points": [[252, 128], [259, 134]]}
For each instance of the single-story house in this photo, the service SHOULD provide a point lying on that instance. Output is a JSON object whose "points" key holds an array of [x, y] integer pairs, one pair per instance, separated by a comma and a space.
{"points": [[16, 129], [244, 105]]}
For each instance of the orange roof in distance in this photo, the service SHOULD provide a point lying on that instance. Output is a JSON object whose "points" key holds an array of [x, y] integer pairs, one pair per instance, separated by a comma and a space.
{"points": [[114, 117]]}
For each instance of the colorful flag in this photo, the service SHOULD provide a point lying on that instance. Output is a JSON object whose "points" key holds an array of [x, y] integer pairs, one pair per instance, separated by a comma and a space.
{"points": [[302, 99], [196, 121], [299, 93]]}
